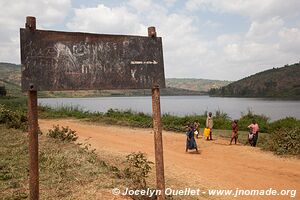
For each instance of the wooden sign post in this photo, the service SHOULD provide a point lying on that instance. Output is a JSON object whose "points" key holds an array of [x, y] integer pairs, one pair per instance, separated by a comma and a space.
{"points": [[157, 129], [58, 61], [33, 130]]}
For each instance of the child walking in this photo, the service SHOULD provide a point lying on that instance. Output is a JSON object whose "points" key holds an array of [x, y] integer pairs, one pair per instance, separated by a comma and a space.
{"points": [[190, 139], [235, 129]]}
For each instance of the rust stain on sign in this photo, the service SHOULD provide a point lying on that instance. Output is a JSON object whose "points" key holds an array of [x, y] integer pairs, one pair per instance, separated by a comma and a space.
{"points": [[53, 60]]}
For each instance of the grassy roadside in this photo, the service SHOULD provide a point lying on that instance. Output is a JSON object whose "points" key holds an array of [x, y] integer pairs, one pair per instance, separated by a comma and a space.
{"points": [[67, 170]]}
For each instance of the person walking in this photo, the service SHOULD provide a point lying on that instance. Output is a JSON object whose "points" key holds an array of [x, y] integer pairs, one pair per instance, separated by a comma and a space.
{"points": [[235, 129], [209, 124], [254, 128], [190, 140]]}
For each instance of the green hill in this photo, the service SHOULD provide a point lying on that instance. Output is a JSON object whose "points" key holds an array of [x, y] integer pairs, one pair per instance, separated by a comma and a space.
{"points": [[10, 77], [281, 82], [203, 85]]}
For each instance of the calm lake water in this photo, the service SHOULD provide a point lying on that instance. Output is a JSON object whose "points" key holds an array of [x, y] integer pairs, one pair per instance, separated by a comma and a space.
{"points": [[184, 105]]}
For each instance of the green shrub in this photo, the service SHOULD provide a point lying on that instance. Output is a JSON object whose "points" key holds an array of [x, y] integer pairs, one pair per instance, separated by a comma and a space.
{"points": [[284, 141], [2, 91], [5, 172], [13, 103], [288, 123], [65, 111], [221, 120], [129, 118], [173, 123], [140, 120], [63, 134], [13, 119], [178, 124], [261, 120], [137, 170]]}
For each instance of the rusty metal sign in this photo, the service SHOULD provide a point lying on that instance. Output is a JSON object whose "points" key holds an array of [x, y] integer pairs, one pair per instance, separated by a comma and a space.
{"points": [[53, 60]]}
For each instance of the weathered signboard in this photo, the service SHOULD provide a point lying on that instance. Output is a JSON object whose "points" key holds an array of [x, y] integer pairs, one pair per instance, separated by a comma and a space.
{"points": [[53, 60]]}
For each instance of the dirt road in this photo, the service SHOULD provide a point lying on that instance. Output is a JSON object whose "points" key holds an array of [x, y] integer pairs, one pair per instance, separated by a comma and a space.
{"points": [[218, 166]]}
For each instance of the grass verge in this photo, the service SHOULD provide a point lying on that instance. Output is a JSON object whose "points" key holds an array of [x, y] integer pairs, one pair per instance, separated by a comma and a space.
{"points": [[67, 170]]}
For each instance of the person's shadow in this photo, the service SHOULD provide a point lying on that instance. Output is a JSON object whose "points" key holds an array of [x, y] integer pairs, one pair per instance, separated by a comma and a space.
{"points": [[193, 152]]}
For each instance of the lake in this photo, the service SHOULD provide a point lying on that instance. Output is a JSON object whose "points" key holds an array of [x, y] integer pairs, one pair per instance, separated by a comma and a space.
{"points": [[184, 105]]}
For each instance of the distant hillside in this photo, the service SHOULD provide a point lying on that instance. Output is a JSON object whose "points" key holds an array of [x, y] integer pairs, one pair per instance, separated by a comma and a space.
{"points": [[10, 76], [10, 72], [281, 82], [195, 84]]}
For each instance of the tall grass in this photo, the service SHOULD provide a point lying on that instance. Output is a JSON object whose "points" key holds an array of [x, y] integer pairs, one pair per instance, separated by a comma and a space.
{"points": [[287, 123], [66, 170], [14, 103], [65, 111]]}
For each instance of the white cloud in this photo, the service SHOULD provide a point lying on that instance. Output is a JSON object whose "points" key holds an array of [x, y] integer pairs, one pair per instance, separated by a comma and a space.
{"points": [[13, 16], [140, 6], [250, 8], [102, 19], [247, 57], [267, 43], [183, 46], [228, 39], [290, 41], [48, 13], [265, 30], [212, 24], [246, 51], [170, 2]]}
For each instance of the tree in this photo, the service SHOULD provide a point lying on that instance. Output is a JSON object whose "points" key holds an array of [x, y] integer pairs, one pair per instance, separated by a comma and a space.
{"points": [[2, 91]]}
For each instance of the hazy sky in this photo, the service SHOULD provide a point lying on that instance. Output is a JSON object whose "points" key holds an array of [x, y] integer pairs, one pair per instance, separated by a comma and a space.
{"points": [[212, 39]]}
